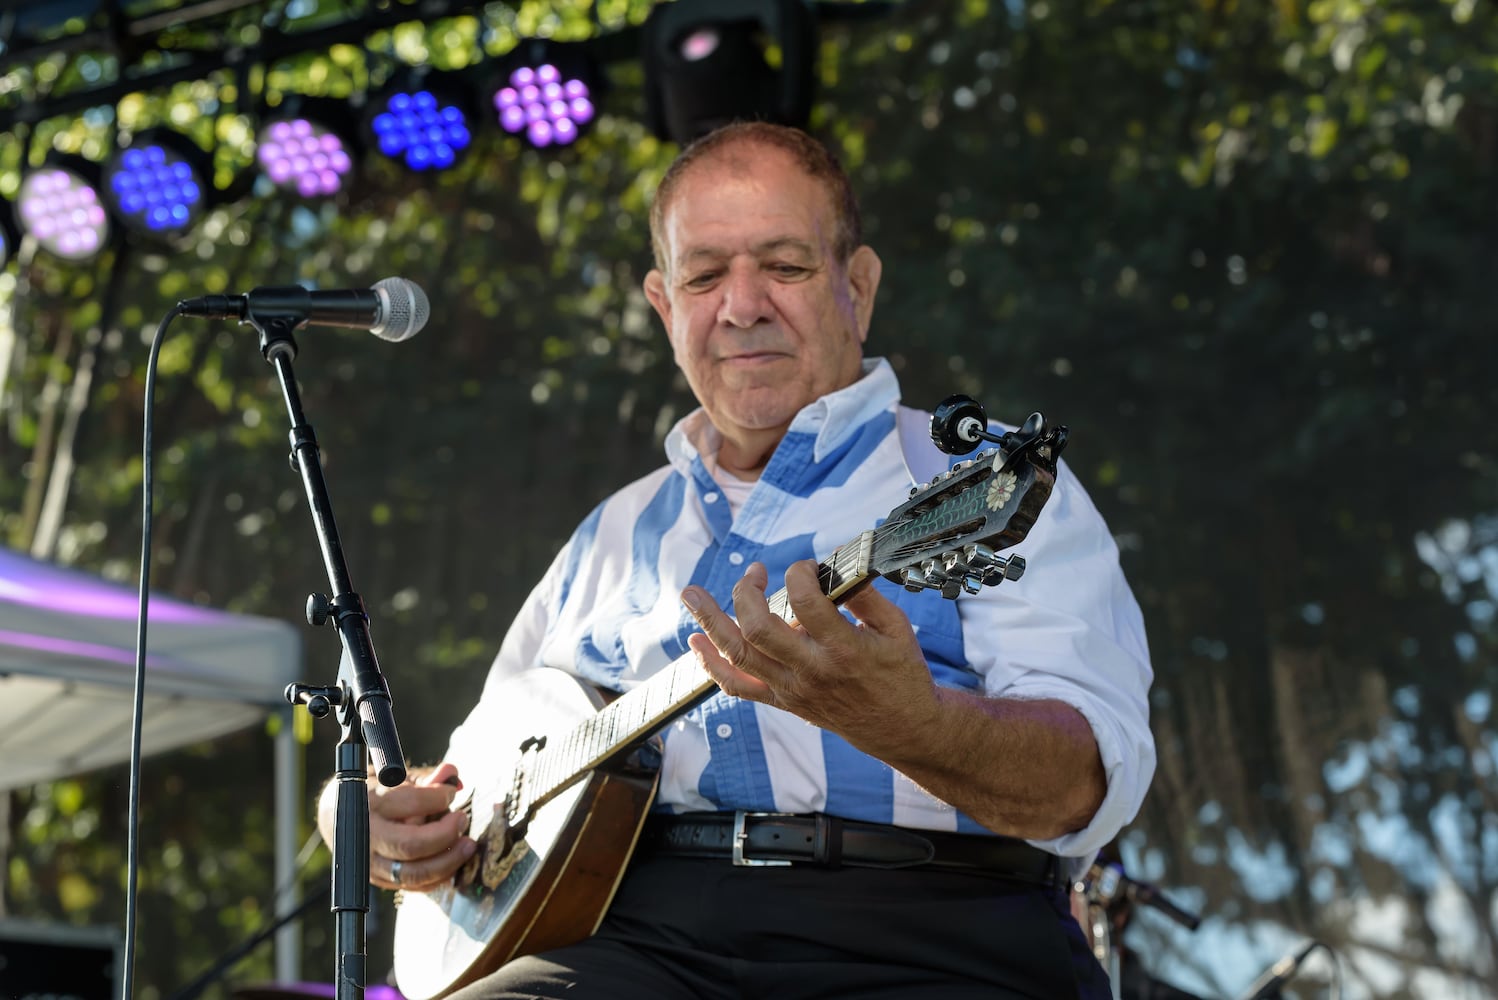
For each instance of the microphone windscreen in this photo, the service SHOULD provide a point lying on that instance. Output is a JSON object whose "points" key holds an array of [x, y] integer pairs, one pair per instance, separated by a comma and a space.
{"points": [[406, 309]]}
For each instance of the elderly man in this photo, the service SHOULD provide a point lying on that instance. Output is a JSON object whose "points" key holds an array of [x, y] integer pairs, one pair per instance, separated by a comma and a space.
{"points": [[1005, 734]]}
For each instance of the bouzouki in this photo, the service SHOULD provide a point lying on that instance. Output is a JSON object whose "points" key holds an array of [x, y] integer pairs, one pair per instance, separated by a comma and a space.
{"points": [[558, 805]]}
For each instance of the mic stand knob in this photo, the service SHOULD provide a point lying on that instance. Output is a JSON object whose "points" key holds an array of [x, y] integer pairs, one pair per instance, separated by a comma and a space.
{"points": [[319, 609]]}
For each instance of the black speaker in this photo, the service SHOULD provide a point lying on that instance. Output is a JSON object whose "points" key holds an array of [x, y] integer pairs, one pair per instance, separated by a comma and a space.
{"points": [[56, 962]]}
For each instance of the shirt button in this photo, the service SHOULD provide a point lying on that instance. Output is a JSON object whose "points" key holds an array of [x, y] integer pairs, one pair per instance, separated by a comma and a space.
{"points": [[724, 730], [709, 498], [736, 557]]}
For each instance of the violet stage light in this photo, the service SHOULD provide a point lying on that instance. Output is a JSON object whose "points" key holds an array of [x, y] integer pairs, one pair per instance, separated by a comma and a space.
{"points": [[158, 186], [544, 105], [421, 129], [302, 155], [700, 43], [60, 207]]}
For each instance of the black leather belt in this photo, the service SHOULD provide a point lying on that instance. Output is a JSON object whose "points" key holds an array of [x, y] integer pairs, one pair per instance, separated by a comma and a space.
{"points": [[762, 839]]}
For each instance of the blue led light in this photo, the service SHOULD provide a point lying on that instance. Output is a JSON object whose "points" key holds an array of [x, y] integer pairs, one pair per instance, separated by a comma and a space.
{"points": [[154, 188], [420, 129]]}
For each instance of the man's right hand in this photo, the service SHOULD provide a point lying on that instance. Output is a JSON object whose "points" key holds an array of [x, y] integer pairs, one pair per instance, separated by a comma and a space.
{"points": [[412, 823]]}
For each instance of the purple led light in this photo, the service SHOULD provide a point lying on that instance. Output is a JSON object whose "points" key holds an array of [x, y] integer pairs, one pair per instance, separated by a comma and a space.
{"points": [[303, 156], [544, 106], [63, 212]]}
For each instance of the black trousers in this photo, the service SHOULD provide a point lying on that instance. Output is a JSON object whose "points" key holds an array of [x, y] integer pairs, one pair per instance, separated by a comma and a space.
{"points": [[702, 929]]}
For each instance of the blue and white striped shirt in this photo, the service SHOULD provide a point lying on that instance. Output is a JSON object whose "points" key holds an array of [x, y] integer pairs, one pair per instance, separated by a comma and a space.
{"points": [[608, 611]]}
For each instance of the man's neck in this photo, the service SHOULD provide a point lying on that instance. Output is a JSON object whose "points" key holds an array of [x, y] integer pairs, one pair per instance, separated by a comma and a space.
{"points": [[747, 457], [748, 473]]}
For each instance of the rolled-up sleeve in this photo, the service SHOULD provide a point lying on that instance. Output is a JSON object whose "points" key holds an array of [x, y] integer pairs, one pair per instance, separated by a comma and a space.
{"points": [[1071, 630]]}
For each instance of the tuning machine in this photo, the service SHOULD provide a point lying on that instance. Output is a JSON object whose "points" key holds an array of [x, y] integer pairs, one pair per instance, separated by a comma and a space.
{"points": [[968, 569]]}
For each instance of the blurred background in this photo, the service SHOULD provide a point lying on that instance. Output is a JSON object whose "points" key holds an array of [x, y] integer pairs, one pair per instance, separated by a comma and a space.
{"points": [[1248, 252]]}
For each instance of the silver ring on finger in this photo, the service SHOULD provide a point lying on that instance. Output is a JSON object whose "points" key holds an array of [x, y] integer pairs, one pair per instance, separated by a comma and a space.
{"points": [[395, 872]]}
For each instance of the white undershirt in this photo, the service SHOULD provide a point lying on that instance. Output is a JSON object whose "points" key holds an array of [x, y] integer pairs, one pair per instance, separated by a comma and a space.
{"points": [[735, 490]]}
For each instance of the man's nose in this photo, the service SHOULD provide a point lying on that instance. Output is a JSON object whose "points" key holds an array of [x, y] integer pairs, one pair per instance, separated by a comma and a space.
{"points": [[746, 298]]}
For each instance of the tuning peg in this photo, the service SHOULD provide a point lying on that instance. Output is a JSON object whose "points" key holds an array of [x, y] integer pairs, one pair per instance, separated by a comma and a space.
{"points": [[1036, 430], [915, 580], [1005, 568], [934, 572], [978, 556]]}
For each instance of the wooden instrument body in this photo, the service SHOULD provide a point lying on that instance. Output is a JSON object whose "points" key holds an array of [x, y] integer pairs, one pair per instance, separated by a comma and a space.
{"points": [[575, 851]]}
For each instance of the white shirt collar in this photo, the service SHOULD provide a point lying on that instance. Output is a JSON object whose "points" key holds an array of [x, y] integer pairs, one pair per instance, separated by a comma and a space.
{"points": [[831, 419]]}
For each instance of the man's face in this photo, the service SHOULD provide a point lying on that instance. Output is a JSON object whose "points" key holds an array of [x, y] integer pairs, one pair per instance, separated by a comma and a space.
{"points": [[763, 319]]}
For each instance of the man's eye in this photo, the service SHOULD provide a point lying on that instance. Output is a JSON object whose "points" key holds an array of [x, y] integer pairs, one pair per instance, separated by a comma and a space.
{"points": [[789, 270], [701, 280]]}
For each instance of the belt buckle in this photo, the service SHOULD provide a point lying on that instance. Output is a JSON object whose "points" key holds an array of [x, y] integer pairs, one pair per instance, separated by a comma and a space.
{"points": [[741, 837]]}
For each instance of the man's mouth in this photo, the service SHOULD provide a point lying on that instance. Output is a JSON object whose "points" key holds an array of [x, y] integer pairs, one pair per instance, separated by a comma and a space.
{"points": [[750, 358]]}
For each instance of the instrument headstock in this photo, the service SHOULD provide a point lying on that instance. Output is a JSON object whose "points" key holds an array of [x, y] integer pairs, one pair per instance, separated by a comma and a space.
{"points": [[947, 536]]}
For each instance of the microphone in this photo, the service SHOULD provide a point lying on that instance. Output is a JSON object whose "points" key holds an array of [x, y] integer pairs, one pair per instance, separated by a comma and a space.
{"points": [[394, 309], [1267, 986]]}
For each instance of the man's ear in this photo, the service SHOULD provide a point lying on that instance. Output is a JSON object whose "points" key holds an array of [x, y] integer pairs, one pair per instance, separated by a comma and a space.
{"points": [[655, 291], [864, 269]]}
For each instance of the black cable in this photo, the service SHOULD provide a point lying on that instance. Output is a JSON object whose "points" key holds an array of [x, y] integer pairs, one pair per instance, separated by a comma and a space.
{"points": [[132, 852]]}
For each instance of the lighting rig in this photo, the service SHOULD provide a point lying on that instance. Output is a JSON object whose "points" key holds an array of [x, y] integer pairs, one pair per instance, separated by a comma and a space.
{"points": [[706, 62]]}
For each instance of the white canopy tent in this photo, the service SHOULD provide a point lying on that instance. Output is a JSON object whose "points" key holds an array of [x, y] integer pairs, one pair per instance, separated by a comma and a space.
{"points": [[67, 687]]}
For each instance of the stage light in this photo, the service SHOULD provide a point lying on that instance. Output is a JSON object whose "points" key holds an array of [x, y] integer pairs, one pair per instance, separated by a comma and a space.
{"points": [[159, 185], [58, 205], [308, 147], [706, 64], [546, 93], [424, 123]]}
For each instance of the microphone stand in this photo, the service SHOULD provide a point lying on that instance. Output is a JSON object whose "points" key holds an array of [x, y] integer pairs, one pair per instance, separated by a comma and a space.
{"points": [[1110, 894], [360, 694]]}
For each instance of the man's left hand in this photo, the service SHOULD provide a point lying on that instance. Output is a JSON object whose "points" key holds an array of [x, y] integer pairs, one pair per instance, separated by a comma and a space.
{"points": [[868, 681]]}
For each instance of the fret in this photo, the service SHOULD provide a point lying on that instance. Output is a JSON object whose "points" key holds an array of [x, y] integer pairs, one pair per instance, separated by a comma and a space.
{"points": [[587, 739], [570, 747], [780, 606]]}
